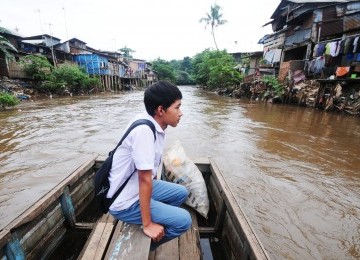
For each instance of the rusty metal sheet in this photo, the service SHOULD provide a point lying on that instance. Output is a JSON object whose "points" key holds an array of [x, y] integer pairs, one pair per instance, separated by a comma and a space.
{"points": [[352, 22], [331, 28], [298, 37]]}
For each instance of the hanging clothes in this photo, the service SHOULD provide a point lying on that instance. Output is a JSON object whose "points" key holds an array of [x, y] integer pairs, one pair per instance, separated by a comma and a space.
{"points": [[355, 44], [342, 71], [338, 47], [327, 48], [347, 45], [319, 64], [333, 48], [277, 55], [315, 50], [351, 47], [269, 56], [320, 50], [357, 57], [341, 47]]}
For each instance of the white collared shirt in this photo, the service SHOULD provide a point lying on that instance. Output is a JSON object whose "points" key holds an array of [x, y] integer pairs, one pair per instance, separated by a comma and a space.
{"points": [[139, 151]]}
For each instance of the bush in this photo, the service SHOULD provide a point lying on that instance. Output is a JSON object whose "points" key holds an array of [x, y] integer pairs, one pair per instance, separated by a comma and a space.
{"points": [[8, 100], [216, 69], [72, 77], [165, 70], [65, 77], [183, 78], [275, 85], [37, 66]]}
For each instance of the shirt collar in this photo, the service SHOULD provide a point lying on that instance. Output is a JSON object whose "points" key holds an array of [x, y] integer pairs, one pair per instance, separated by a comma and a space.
{"points": [[158, 128]]}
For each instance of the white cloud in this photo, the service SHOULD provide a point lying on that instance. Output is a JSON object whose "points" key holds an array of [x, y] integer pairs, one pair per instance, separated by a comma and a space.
{"points": [[157, 28]]}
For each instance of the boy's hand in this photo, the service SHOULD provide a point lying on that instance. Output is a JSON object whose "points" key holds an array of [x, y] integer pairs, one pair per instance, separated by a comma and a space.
{"points": [[154, 231]]}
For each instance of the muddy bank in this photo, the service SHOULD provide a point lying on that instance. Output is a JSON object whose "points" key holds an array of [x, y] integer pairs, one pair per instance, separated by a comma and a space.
{"points": [[24, 90], [337, 96]]}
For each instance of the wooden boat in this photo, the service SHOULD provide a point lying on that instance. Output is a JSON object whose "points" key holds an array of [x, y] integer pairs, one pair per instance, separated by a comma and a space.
{"points": [[64, 225]]}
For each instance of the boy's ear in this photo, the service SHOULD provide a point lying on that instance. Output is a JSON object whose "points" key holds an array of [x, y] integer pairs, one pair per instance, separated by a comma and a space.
{"points": [[160, 110]]}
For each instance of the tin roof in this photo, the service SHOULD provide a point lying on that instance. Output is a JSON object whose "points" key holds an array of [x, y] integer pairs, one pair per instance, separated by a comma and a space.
{"points": [[283, 4], [41, 36], [320, 1]]}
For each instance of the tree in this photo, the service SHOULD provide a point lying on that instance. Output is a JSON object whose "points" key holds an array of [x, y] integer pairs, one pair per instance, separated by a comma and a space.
{"points": [[214, 18], [72, 78], [37, 66], [126, 52], [186, 65], [165, 70], [215, 69], [5, 45]]}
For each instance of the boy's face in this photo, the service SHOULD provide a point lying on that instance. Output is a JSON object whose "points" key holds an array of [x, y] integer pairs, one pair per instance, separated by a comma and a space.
{"points": [[172, 114]]}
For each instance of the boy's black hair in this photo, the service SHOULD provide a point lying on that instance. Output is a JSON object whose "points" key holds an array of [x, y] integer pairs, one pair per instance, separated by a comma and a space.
{"points": [[161, 93]]}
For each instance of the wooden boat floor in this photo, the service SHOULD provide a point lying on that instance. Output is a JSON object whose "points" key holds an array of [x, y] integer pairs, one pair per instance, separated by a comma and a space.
{"points": [[117, 240]]}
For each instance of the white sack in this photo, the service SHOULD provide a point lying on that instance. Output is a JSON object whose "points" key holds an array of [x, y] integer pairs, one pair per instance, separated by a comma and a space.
{"points": [[180, 169]]}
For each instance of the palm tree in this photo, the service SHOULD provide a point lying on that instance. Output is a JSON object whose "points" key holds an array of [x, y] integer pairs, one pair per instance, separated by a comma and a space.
{"points": [[214, 19], [5, 45]]}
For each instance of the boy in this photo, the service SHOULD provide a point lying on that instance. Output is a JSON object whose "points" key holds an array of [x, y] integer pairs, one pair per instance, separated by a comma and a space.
{"points": [[145, 200]]}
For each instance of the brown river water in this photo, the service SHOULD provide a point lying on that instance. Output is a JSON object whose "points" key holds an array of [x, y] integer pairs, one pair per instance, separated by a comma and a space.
{"points": [[295, 171]]}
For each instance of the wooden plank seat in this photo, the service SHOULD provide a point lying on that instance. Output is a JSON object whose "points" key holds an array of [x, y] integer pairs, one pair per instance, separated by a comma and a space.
{"points": [[187, 246], [111, 239], [98, 241]]}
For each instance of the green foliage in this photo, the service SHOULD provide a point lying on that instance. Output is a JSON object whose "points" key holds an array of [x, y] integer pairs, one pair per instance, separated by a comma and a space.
{"points": [[8, 100], [245, 61], [37, 66], [5, 45], [126, 52], [71, 77], [182, 70], [275, 85], [186, 65], [215, 69], [184, 78], [165, 70], [66, 77]]}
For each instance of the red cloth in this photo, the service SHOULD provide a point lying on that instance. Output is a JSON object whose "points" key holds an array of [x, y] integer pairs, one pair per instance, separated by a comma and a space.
{"points": [[342, 71]]}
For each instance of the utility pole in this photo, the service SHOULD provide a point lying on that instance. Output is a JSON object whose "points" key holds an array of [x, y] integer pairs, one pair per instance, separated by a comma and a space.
{"points": [[67, 35], [52, 46], [41, 28]]}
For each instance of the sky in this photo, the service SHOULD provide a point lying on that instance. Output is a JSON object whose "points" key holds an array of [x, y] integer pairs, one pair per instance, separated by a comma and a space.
{"points": [[166, 29]]}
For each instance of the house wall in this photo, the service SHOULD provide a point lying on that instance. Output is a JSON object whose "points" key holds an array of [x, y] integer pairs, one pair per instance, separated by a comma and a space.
{"points": [[49, 41], [65, 47], [16, 70], [93, 63], [3, 66], [137, 67], [254, 63]]}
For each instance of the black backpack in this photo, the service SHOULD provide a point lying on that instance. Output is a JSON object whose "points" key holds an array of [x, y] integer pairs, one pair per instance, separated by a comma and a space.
{"points": [[102, 183]]}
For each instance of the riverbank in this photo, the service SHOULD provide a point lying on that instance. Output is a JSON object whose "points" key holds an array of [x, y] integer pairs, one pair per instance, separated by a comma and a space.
{"points": [[24, 90], [340, 96]]}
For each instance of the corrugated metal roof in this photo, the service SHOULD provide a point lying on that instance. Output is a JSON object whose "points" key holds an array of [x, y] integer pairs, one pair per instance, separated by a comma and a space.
{"points": [[351, 22], [334, 27], [319, 1], [37, 42], [298, 37], [283, 4]]}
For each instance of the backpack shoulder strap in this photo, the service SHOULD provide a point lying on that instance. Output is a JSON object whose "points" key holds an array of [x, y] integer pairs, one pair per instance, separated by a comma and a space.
{"points": [[132, 126]]}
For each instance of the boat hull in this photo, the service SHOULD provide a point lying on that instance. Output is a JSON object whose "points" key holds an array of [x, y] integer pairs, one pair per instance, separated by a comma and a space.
{"points": [[45, 227]]}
